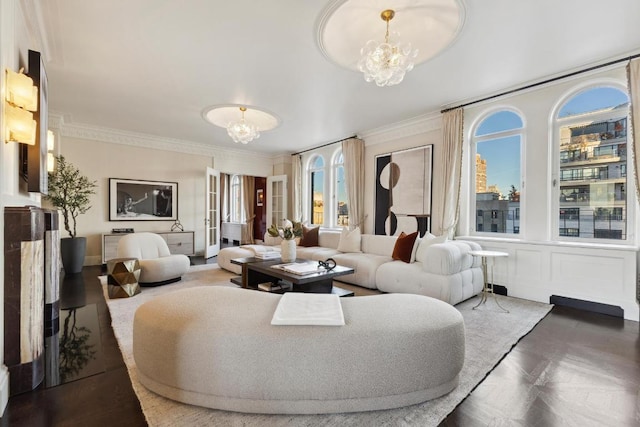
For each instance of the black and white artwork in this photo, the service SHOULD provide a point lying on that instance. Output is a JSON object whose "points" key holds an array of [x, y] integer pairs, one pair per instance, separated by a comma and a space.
{"points": [[136, 200], [403, 191]]}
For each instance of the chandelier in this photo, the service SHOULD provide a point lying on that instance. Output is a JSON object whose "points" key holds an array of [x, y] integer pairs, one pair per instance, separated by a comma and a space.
{"points": [[386, 63], [242, 131]]}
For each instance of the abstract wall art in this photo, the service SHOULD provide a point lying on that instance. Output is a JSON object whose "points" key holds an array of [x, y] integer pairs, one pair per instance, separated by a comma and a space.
{"points": [[403, 191]]}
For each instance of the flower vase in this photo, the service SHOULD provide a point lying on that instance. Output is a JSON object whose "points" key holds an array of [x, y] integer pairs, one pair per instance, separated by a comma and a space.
{"points": [[288, 250]]}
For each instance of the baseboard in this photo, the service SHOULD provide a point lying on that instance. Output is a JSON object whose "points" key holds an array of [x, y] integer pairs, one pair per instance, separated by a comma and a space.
{"points": [[4, 388], [595, 307]]}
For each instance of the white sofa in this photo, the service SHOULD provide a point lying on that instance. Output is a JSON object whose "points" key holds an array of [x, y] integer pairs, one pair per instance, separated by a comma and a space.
{"points": [[444, 271], [214, 346]]}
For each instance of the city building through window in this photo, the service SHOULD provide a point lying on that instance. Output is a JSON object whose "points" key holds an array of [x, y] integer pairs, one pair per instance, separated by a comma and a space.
{"points": [[497, 141], [592, 166]]}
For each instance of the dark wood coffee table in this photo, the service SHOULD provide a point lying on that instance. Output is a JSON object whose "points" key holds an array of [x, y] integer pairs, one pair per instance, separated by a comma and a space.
{"points": [[256, 271]]}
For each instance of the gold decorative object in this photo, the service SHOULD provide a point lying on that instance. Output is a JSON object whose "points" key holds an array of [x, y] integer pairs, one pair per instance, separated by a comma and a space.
{"points": [[123, 276]]}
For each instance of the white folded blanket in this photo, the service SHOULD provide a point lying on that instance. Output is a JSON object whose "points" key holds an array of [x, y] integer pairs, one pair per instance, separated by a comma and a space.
{"points": [[297, 308], [259, 248]]}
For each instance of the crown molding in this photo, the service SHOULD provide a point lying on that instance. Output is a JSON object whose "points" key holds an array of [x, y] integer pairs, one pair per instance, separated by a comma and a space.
{"points": [[115, 136], [403, 129]]}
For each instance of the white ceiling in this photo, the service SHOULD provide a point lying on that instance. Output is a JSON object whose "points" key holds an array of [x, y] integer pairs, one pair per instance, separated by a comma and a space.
{"points": [[154, 66]]}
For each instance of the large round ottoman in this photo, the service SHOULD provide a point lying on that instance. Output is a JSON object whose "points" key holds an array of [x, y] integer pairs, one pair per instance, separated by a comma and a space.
{"points": [[215, 347]]}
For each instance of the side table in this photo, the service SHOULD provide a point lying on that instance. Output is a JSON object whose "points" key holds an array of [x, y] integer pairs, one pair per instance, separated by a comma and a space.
{"points": [[486, 288], [122, 277]]}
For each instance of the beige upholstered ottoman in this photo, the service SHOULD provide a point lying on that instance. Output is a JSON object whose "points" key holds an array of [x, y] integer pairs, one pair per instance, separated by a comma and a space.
{"points": [[216, 347]]}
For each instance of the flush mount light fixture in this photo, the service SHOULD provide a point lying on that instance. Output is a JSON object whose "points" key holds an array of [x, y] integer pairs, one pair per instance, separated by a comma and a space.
{"points": [[346, 25], [386, 63], [252, 121]]}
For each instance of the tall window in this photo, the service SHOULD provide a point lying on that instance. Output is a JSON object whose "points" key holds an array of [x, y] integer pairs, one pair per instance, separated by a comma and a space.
{"points": [[235, 199], [316, 180], [592, 165], [497, 141], [340, 191]]}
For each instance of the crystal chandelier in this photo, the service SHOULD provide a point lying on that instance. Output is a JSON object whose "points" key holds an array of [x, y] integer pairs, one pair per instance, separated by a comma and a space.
{"points": [[386, 63], [242, 131]]}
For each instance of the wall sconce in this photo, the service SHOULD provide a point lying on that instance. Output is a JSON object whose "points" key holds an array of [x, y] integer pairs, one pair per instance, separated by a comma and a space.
{"points": [[21, 98], [19, 125]]}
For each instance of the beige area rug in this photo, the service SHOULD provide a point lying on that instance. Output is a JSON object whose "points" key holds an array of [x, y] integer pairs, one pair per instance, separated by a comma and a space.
{"points": [[490, 334]]}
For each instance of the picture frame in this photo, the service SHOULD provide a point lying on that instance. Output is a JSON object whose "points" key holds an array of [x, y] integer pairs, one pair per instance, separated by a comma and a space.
{"points": [[402, 201], [142, 200], [259, 197]]}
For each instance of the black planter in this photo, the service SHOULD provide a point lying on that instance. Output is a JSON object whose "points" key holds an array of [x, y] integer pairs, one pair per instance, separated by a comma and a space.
{"points": [[72, 251]]}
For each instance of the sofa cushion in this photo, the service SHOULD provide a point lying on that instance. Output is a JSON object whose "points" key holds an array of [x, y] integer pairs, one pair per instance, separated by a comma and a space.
{"points": [[365, 266], [378, 244], [315, 253], [350, 240], [403, 248], [309, 236], [428, 240], [329, 238]]}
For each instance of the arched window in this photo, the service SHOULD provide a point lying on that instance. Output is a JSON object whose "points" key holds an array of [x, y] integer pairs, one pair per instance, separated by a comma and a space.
{"points": [[316, 181], [498, 178], [591, 165], [341, 218], [235, 199]]}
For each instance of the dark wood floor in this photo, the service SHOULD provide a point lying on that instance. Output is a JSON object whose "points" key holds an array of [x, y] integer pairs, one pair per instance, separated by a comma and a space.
{"points": [[575, 368]]}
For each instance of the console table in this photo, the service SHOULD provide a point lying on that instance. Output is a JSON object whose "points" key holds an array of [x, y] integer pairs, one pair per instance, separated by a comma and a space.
{"points": [[179, 242]]}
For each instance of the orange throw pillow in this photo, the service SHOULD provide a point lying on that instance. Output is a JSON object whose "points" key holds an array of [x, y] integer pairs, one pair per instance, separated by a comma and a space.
{"points": [[309, 236], [404, 246]]}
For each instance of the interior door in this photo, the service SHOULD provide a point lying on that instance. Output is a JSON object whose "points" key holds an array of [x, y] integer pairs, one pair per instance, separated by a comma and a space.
{"points": [[212, 209], [276, 199]]}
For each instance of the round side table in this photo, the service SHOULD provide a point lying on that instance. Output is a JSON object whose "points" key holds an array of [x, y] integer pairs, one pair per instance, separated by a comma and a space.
{"points": [[122, 277], [486, 289]]}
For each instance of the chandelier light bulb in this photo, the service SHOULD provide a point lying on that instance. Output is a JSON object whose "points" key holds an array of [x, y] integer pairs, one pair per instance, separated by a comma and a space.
{"points": [[386, 63], [242, 131]]}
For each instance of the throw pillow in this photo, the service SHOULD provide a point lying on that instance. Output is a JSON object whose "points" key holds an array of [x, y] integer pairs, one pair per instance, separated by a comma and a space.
{"points": [[427, 241], [309, 236], [404, 246], [349, 240]]}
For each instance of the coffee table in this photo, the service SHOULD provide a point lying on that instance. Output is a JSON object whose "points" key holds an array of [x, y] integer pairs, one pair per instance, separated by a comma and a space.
{"points": [[256, 271]]}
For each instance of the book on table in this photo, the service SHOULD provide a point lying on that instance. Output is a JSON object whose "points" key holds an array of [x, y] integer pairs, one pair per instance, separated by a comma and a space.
{"points": [[301, 268], [273, 287], [267, 255]]}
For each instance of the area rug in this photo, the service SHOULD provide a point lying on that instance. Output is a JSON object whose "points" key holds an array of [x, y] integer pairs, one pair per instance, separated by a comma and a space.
{"points": [[490, 334]]}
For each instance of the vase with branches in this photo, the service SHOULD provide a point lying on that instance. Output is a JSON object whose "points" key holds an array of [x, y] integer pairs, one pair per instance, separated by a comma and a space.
{"points": [[70, 191]]}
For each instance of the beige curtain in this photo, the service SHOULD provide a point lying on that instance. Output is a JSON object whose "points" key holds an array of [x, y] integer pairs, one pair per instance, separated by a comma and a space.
{"points": [[353, 153], [451, 161], [296, 161], [248, 205], [224, 197], [633, 83]]}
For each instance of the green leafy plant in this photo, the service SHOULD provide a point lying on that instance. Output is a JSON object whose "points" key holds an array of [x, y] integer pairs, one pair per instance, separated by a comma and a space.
{"points": [[290, 230], [69, 191]]}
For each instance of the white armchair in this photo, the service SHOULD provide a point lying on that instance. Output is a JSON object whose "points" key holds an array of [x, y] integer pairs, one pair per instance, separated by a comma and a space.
{"points": [[157, 265]]}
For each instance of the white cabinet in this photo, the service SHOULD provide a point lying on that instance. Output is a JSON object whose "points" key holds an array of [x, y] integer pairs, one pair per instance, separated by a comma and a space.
{"points": [[179, 242]]}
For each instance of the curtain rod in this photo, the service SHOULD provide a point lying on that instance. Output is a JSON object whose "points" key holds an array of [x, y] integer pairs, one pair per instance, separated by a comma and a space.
{"points": [[324, 145], [509, 92]]}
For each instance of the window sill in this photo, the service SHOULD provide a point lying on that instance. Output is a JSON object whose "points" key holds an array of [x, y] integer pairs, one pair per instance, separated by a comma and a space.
{"points": [[583, 245]]}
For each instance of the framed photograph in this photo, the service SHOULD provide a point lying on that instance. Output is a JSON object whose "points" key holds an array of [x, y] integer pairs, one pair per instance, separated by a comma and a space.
{"points": [[260, 197], [137, 200]]}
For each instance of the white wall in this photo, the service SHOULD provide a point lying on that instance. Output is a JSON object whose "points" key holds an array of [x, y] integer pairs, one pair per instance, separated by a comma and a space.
{"points": [[107, 153], [412, 133], [538, 266]]}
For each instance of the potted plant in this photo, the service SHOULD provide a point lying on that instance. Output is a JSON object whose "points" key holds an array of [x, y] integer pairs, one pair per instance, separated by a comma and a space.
{"points": [[289, 231], [69, 191]]}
